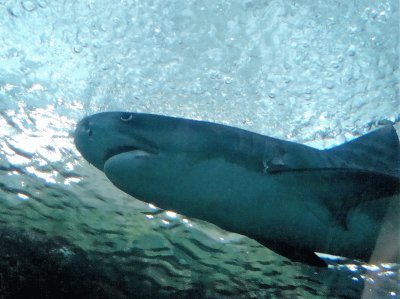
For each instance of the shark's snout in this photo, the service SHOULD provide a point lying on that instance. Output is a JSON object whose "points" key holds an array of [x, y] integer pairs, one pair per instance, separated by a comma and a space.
{"points": [[82, 131], [102, 136], [87, 143]]}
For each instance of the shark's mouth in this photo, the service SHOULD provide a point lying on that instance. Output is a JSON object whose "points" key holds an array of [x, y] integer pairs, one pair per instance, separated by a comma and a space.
{"points": [[124, 149]]}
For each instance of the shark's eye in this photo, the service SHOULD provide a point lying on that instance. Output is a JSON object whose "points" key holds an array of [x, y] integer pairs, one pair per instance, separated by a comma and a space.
{"points": [[126, 116]]}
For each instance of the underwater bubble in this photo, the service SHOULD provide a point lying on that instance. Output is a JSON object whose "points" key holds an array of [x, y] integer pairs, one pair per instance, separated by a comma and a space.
{"points": [[228, 80], [351, 51], [28, 5], [42, 4], [14, 11], [330, 84]]}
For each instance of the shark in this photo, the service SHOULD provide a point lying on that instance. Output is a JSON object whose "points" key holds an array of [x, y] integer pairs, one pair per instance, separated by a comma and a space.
{"points": [[291, 198]]}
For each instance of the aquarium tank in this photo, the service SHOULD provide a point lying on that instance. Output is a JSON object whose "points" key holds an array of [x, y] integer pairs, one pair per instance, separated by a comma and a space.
{"points": [[318, 73]]}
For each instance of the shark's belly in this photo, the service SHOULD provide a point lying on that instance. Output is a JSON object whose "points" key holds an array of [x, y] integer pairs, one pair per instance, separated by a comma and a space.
{"points": [[233, 198], [257, 205], [285, 208]]}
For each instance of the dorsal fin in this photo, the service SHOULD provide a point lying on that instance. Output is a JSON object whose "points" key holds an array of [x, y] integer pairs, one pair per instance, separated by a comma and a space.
{"points": [[378, 151]]}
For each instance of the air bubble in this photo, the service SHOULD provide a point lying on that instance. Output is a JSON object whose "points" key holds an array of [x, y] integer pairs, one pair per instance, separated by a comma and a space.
{"points": [[228, 80], [351, 51], [77, 49], [42, 4], [330, 85], [14, 11], [28, 5], [352, 29]]}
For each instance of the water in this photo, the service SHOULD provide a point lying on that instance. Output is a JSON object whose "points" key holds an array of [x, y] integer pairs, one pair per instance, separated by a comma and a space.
{"points": [[316, 72]]}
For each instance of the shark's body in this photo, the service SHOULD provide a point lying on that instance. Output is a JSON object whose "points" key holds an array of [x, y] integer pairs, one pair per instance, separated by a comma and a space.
{"points": [[292, 198]]}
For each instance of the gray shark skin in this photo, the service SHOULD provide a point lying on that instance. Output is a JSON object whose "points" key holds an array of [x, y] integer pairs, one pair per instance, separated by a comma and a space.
{"points": [[292, 198]]}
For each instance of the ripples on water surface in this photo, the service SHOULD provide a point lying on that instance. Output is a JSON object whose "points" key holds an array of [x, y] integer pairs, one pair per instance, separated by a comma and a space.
{"points": [[313, 72]]}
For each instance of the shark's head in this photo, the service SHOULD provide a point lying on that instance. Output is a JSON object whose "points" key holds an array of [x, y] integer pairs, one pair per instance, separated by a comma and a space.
{"points": [[105, 135], [145, 153]]}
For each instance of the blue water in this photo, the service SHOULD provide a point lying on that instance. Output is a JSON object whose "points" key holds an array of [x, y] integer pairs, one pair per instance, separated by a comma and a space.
{"points": [[315, 72]]}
